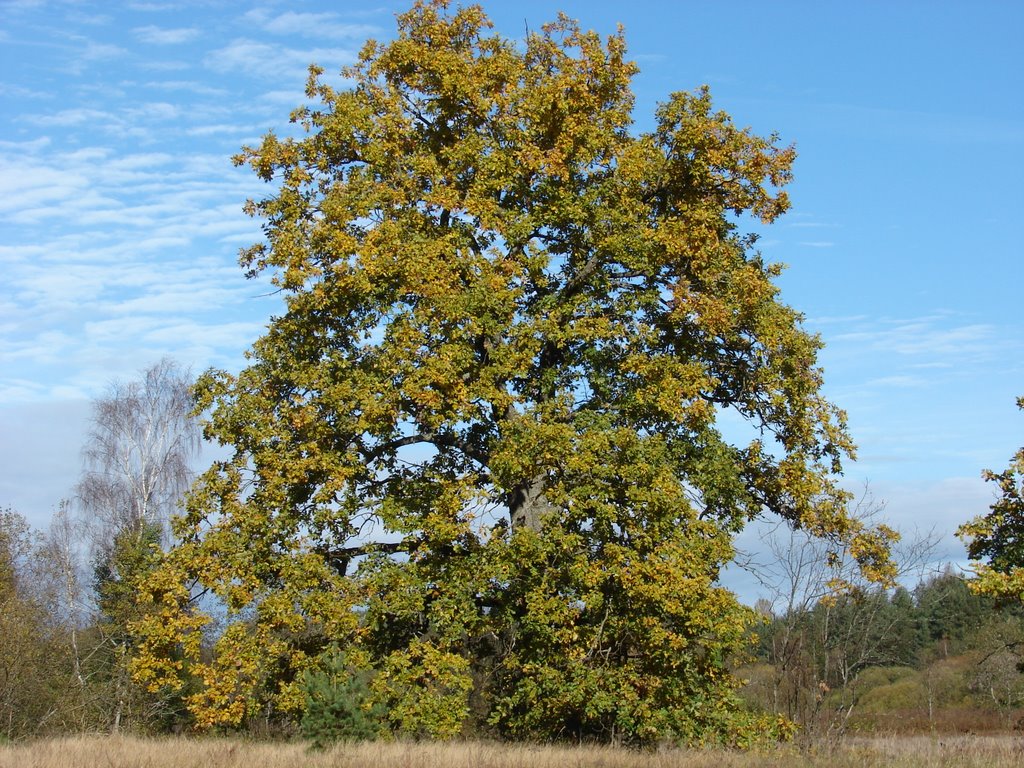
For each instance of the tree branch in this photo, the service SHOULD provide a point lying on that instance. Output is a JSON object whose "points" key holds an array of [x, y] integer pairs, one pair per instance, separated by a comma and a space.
{"points": [[339, 557]]}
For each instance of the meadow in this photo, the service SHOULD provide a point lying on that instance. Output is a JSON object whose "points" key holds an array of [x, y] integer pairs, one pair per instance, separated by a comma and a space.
{"points": [[997, 751]]}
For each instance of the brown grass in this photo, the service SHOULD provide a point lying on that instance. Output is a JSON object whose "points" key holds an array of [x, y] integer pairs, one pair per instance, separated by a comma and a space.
{"points": [[107, 752]]}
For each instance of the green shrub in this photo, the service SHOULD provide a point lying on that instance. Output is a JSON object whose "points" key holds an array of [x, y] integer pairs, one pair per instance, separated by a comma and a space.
{"points": [[875, 677], [339, 706], [907, 693]]}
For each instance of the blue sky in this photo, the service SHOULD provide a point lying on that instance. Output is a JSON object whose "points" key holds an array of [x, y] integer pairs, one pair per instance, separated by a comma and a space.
{"points": [[120, 211]]}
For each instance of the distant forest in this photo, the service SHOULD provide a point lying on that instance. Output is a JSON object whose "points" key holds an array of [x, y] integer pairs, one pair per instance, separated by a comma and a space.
{"points": [[937, 657]]}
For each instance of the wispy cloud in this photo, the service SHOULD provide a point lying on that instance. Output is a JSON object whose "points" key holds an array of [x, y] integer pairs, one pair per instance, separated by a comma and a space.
{"points": [[321, 25], [90, 19], [133, 120], [92, 53], [23, 5], [154, 7], [274, 62], [154, 110], [9, 89], [219, 129], [920, 390], [165, 66], [67, 117], [286, 98], [819, 320], [187, 86], [165, 36], [896, 381], [115, 257], [933, 336]]}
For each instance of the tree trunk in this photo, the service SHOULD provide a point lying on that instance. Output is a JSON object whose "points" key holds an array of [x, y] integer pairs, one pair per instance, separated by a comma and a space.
{"points": [[529, 505]]}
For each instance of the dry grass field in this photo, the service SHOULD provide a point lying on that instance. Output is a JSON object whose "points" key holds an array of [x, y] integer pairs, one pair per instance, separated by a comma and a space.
{"points": [[106, 752]]}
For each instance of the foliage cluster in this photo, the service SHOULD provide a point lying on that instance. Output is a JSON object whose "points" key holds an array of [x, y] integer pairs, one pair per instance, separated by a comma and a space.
{"points": [[64, 638], [996, 539]]}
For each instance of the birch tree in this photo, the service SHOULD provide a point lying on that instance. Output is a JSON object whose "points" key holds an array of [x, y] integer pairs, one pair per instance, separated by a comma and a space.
{"points": [[137, 465]]}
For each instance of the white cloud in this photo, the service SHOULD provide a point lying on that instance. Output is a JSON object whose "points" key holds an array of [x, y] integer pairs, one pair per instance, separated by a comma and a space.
{"points": [[323, 25], [26, 186], [95, 120], [288, 98], [165, 66], [9, 89], [896, 381], [129, 327], [156, 110], [93, 20], [236, 336], [165, 36], [221, 128], [136, 121], [930, 336], [140, 160], [31, 146], [101, 51], [189, 86], [109, 247], [274, 62], [70, 117]]}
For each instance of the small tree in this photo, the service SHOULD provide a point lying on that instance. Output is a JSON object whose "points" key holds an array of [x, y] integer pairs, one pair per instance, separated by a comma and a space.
{"points": [[31, 653], [995, 541], [71, 608], [339, 704], [997, 677], [826, 622]]}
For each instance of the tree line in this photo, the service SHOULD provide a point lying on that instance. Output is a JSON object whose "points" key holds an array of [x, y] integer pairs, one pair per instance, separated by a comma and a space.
{"points": [[937, 657], [68, 594]]}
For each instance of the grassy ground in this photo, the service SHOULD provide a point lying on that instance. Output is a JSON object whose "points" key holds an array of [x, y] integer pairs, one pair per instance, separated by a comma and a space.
{"points": [[899, 752]]}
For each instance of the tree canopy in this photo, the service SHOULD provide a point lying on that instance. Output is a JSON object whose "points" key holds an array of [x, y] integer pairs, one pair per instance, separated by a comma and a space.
{"points": [[479, 453], [996, 540]]}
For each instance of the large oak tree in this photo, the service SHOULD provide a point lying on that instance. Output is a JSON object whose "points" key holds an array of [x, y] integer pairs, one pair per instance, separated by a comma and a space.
{"points": [[479, 451]]}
